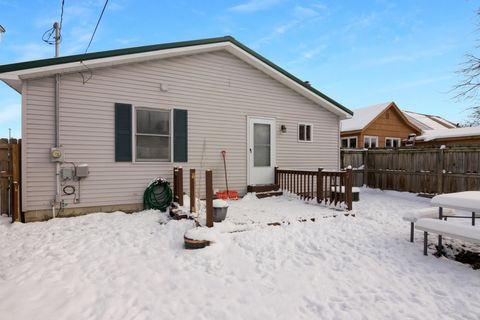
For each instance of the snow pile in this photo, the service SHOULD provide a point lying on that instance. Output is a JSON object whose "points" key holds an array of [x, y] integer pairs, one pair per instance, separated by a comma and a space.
{"points": [[134, 266], [219, 203], [202, 233], [362, 117], [450, 133]]}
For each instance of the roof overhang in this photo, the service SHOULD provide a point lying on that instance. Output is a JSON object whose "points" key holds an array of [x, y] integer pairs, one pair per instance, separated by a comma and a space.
{"points": [[14, 74]]}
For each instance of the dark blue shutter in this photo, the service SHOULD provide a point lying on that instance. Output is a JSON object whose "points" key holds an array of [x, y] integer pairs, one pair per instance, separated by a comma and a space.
{"points": [[123, 132], [180, 135]]}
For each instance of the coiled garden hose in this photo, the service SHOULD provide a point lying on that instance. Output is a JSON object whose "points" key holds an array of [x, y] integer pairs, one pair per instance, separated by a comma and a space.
{"points": [[158, 195]]}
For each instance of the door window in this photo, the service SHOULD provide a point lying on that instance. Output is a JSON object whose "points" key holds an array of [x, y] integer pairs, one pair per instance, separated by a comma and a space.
{"points": [[261, 145]]}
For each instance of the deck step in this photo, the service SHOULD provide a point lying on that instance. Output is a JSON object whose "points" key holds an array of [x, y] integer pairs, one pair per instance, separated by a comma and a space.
{"points": [[263, 188], [262, 195]]}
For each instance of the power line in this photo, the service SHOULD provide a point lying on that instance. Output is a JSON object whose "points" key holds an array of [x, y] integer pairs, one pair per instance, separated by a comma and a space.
{"points": [[61, 15], [98, 22]]}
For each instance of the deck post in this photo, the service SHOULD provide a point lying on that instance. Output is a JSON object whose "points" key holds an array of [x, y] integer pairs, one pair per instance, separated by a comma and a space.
{"points": [[180, 186], [425, 242], [192, 191], [348, 188], [412, 229], [319, 185], [209, 197], [175, 184], [275, 175]]}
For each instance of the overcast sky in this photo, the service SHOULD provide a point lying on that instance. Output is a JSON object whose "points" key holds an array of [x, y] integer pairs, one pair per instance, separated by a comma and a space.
{"points": [[357, 52]]}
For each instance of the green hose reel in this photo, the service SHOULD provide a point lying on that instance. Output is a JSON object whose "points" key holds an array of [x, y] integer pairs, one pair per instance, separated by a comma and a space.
{"points": [[158, 195]]}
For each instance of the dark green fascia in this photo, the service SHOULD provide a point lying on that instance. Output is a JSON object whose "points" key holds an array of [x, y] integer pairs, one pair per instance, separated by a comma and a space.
{"points": [[142, 49], [105, 54]]}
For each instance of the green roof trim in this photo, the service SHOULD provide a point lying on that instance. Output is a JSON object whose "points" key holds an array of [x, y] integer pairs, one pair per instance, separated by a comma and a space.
{"points": [[120, 52]]}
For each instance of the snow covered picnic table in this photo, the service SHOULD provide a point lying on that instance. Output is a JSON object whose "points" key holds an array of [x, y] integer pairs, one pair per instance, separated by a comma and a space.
{"points": [[467, 200]]}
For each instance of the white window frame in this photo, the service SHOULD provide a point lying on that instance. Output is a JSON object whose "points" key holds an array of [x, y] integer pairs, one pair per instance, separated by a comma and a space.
{"points": [[311, 132], [348, 141], [370, 141], [393, 138], [134, 135]]}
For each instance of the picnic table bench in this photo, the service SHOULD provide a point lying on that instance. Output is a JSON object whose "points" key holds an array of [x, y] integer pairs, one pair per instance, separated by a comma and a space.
{"points": [[432, 212], [467, 201], [445, 228]]}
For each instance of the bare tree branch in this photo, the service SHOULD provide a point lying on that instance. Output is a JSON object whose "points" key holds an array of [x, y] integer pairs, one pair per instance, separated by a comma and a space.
{"points": [[469, 87]]}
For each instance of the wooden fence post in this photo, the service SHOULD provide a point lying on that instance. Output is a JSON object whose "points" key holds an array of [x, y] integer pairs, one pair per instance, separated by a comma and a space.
{"points": [[365, 168], [319, 185], [276, 175], [209, 197], [180, 186], [348, 188], [15, 196], [193, 200], [440, 168]]}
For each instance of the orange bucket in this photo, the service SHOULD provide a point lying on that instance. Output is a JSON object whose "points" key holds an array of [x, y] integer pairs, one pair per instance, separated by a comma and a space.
{"points": [[224, 195]]}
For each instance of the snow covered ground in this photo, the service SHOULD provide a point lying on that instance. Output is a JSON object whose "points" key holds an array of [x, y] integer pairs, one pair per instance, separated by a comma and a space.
{"points": [[133, 266]]}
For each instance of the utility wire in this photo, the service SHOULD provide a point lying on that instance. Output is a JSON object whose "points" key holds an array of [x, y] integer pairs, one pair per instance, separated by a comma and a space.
{"points": [[85, 79], [98, 22], [61, 15]]}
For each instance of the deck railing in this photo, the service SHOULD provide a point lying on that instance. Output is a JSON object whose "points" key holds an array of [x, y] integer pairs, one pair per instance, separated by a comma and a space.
{"points": [[326, 186]]}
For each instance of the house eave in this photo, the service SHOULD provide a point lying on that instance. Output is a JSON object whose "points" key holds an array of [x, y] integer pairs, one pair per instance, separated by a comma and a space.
{"points": [[15, 73]]}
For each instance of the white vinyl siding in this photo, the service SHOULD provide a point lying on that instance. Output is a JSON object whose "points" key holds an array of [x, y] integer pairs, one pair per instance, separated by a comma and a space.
{"points": [[218, 90]]}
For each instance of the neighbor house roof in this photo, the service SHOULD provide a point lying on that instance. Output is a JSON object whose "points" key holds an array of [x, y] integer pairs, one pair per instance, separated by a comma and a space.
{"points": [[428, 122], [363, 116], [449, 133], [13, 74]]}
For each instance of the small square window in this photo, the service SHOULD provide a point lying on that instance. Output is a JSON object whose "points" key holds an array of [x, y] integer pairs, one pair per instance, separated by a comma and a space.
{"points": [[392, 142], [370, 142], [349, 142], [304, 132], [352, 143]]}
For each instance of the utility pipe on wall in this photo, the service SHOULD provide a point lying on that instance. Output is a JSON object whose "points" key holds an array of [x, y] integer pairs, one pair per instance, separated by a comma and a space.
{"points": [[57, 199]]}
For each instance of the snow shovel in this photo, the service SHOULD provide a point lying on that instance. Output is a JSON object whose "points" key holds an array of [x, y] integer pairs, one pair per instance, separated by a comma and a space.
{"points": [[225, 195]]}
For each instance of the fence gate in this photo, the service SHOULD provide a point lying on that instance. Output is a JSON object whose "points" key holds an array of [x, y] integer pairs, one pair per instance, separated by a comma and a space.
{"points": [[10, 189]]}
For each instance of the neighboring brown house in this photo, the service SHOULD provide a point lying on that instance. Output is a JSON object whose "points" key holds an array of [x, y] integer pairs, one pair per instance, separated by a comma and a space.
{"points": [[428, 122], [456, 136], [378, 126]]}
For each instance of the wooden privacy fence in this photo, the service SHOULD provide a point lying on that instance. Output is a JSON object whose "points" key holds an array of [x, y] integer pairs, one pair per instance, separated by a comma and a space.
{"points": [[10, 178], [326, 186], [432, 171]]}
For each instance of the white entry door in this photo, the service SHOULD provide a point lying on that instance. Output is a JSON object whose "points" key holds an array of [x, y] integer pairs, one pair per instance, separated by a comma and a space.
{"points": [[261, 150]]}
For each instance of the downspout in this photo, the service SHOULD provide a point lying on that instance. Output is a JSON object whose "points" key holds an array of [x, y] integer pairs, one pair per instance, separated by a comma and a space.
{"points": [[57, 199]]}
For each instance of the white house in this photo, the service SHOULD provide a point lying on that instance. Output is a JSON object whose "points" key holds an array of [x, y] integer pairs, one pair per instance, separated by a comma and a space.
{"points": [[119, 118]]}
